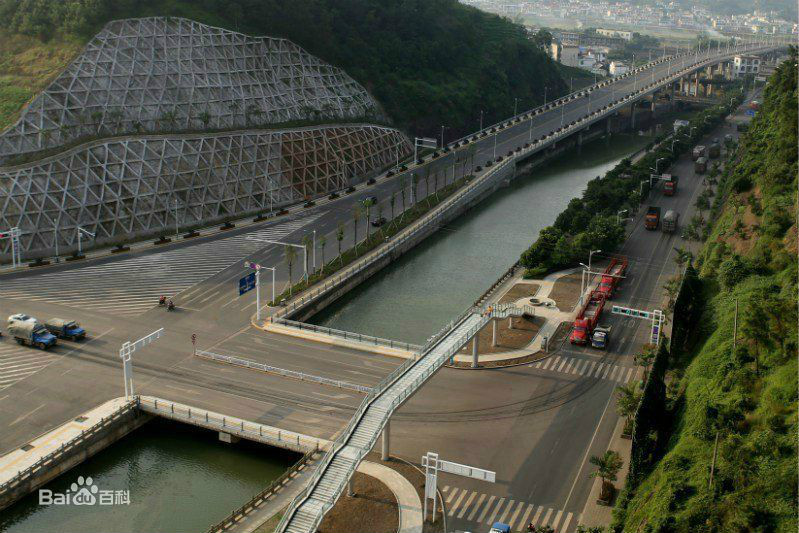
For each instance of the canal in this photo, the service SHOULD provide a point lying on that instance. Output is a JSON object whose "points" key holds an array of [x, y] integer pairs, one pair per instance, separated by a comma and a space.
{"points": [[415, 296], [179, 478]]}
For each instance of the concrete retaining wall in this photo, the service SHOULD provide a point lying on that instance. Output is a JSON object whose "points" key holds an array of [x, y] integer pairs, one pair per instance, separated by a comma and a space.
{"points": [[73, 453]]}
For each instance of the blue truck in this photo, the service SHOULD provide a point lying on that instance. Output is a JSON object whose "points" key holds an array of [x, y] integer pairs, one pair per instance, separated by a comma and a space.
{"points": [[65, 329], [32, 333]]}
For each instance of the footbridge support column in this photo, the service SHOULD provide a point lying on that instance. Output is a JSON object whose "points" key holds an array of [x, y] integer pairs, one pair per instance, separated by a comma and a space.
{"points": [[494, 332], [671, 97], [632, 116], [386, 442], [474, 350]]}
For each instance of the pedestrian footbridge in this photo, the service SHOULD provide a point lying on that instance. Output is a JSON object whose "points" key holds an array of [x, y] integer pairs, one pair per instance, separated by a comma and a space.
{"points": [[356, 440]]}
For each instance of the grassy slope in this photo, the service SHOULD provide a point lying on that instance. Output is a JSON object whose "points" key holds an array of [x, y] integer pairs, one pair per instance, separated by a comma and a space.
{"points": [[428, 63], [27, 65], [750, 396]]}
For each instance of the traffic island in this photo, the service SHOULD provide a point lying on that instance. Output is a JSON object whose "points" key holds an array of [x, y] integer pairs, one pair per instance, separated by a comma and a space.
{"points": [[566, 291], [508, 339], [520, 290]]}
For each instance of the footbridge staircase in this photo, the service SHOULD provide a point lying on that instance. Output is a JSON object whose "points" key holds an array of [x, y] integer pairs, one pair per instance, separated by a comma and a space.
{"points": [[356, 440]]}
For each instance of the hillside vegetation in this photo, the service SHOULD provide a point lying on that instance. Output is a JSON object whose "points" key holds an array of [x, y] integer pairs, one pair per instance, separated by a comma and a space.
{"points": [[733, 406], [428, 63], [27, 65]]}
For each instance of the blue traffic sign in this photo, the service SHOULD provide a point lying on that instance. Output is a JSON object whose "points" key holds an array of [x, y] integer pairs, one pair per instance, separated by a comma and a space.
{"points": [[750, 112], [247, 283]]}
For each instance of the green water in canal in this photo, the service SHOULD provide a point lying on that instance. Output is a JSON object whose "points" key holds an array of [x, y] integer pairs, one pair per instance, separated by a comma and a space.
{"points": [[415, 296], [179, 479]]}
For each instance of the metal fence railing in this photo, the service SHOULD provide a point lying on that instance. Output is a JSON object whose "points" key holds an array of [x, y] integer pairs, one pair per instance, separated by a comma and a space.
{"points": [[348, 335], [249, 430], [302, 376]]}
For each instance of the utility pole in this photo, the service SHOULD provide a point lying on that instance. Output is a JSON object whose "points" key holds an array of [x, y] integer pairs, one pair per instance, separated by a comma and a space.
{"points": [[314, 251], [177, 231]]}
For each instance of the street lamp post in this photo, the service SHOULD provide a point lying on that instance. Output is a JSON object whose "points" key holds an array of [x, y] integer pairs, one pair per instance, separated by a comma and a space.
{"points": [[619, 214], [81, 231], [641, 188], [177, 231], [545, 95], [314, 251], [481, 120], [301, 247], [515, 106]]}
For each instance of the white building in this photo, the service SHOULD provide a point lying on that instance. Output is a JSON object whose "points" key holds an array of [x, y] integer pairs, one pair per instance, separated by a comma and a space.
{"points": [[617, 68], [745, 64], [621, 34]]}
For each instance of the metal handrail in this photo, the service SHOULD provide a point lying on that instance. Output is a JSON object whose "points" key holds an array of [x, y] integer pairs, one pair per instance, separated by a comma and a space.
{"points": [[348, 335]]}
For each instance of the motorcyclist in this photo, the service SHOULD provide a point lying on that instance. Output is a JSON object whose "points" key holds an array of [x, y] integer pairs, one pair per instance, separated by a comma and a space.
{"points": [[171, 305], [162, 300]]}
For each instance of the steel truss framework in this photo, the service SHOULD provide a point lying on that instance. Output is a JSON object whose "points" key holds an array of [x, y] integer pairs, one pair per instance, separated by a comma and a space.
{"points": [[123, 188], [166, 74]]}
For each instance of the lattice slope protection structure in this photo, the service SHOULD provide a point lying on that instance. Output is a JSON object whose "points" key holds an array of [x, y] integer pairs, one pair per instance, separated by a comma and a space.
{"points": [[166, 74], [131, 187]]}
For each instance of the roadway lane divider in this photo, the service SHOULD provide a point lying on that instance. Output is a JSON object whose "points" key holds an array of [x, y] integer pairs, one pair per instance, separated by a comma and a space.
{"points": [[302, 376]]}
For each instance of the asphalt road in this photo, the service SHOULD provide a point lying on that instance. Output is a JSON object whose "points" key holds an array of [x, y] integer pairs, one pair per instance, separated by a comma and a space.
{"points": [[538, 427], [534, 426]]}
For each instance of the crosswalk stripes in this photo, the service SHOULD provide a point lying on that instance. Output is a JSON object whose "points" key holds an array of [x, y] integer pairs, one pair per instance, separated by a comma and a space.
{"points": [[18, 362], [515, 513], [587, 368], [131, 286]]}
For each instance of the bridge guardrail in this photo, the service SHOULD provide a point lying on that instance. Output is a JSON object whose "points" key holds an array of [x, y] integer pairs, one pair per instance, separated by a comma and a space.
{"points": [[472, 186], [302, 376], [349, 335], [222, 423]]}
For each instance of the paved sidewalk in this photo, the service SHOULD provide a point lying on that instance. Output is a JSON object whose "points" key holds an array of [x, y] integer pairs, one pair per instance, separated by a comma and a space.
{"points": [[410, 506], [595, 514], [20, 459]]}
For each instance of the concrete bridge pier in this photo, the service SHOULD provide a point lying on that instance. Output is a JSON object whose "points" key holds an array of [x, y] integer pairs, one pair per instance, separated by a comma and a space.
{"points": [[671, 96], [632, 116], [386, 441], [654, 100], [474, 350], [696, 84], [494, 333]]}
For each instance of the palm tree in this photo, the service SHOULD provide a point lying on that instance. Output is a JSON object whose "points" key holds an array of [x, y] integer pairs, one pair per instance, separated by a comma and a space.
{"points": [[356, 216], [628, 397], [291, 255], [607, 467], [322, 243], [645, 358], [403, 186], [339, 238], [368, 203]]}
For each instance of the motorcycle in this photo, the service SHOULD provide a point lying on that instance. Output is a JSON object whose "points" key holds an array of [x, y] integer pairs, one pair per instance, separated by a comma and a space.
{"points": [[162, 301], [170, 306]]}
